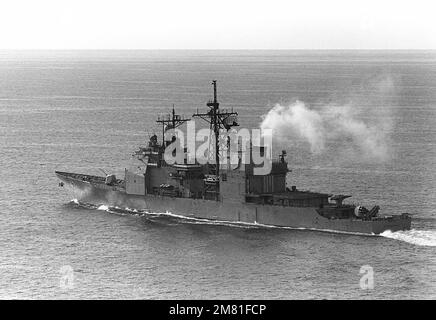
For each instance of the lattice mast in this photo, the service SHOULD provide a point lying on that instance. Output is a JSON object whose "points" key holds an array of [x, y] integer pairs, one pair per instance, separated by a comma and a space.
{"points": [[218, 119], [170, 121]]}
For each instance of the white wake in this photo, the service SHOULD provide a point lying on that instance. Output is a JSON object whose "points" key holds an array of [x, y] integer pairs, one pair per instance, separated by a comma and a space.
{"points": [[417, 237]]}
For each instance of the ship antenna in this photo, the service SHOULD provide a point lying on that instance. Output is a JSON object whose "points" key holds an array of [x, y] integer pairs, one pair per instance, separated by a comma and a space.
{"points": [[218, 120], [215, 100], [172, 122]]}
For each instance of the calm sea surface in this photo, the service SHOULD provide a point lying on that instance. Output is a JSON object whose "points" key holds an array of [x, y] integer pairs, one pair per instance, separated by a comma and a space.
{"points": [[81, 111]]}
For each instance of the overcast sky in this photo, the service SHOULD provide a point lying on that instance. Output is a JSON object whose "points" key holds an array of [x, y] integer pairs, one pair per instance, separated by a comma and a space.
{"points": [[220, 24]]}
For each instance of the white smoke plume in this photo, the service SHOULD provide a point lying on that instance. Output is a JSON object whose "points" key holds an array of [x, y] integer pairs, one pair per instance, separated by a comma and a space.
{"points": [[329, 128]]}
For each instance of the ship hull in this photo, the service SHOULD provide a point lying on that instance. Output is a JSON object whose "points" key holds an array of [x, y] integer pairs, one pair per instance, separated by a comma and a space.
{"points": [[226, 211]]}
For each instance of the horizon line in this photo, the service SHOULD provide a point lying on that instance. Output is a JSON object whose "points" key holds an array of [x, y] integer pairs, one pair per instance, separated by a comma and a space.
{"points": [[217, 49]]}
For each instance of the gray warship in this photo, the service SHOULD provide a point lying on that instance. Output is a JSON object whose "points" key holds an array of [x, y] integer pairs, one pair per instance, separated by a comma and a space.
{"points": [[225, 194]]}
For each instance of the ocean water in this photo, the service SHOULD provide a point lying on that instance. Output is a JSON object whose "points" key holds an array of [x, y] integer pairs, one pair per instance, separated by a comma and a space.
{"points": [[83, 111]]}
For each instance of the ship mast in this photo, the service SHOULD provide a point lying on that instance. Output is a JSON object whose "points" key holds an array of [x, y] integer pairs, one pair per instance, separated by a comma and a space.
{"points": [[217, 119], [171, 121]]}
